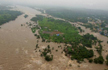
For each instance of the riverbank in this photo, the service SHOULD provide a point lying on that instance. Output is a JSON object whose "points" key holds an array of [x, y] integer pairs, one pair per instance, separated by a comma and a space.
{"points": [[17, 44]]}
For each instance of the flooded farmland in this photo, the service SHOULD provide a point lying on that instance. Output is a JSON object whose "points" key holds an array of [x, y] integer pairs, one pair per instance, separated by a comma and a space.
{"points": [[17, 44]]}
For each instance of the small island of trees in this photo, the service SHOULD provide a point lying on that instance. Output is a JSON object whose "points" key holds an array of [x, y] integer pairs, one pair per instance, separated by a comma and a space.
{"points": [[25, 16]]}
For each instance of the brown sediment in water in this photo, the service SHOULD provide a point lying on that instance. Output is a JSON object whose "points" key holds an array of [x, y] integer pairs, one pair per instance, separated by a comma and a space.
{"points": [[17, 44]]}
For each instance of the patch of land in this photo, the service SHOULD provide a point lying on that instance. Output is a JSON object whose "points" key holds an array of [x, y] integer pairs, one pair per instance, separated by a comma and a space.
{"points": [[18, 44]]}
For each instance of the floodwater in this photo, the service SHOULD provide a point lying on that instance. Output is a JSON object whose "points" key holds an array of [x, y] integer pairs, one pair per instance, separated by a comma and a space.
{"points": [[17, 44], [16, 41]]}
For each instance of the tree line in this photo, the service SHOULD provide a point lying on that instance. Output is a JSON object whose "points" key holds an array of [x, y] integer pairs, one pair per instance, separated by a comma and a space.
{"points": [[8, 15]]}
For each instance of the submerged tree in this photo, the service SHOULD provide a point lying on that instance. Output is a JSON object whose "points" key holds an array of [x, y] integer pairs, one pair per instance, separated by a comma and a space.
{"points": [[49, 57], [99, 60]]}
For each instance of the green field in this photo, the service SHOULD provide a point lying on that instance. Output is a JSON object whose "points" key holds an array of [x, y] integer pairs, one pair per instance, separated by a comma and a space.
{"points": [[68, 34]]}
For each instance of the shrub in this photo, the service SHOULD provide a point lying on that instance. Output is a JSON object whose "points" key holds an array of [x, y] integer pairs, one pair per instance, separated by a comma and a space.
{"points": [[49, 57], [90, 60], [99, 60]]}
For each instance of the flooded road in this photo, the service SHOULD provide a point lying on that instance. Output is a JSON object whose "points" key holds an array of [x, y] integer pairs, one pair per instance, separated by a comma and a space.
{"points": [[17, 44]]}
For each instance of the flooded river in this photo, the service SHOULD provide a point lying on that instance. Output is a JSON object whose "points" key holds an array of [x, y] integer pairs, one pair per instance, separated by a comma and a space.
{"points": [[16, 41], [17, 44]]}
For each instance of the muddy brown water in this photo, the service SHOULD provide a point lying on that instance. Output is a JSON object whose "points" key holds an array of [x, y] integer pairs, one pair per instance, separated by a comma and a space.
{"points": [[14, 40], [17, 44]]}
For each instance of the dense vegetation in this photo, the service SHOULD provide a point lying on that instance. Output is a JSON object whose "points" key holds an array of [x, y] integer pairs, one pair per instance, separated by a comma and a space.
{"points": [[78, 15], [79, 52], [88, 40], [7, 15], [68, 34], [99, 60]]}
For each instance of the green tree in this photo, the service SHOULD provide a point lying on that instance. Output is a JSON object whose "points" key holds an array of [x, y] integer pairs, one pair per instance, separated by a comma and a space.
{"points": [[48, 46], [99, 60], [49, 57]]}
